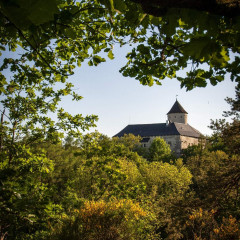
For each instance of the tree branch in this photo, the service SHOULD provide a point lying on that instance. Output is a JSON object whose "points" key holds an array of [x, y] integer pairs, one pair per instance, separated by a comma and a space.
{"points": [[30, 44], [1, 136]]}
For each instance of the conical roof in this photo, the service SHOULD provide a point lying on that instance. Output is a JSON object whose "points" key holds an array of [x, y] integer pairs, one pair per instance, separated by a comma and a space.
{"points": [[177, 108]]}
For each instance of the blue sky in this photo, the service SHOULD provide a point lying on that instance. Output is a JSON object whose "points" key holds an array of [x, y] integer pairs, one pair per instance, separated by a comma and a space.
{"points": [[119, 101]]}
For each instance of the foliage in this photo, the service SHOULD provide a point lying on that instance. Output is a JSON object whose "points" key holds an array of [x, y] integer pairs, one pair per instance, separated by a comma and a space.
{"points": [[102, 178], [168, 179], [203, 225], [235, 105], [117, 219], [24, 194], [50, 39], [193, 46], [159, 150], [229, 229], [120, 174], [216, 179], [192, 151], [227, 134], [96, 144], [102, 172], [224, 8]]}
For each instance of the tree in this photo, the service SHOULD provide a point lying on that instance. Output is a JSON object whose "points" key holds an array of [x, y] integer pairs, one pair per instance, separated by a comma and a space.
{"points": [[108, 168], [203, 225], [159, 150], [50, 39], [168, 178], [25, 202], [63, 35], [227, 133], [183, 35]]}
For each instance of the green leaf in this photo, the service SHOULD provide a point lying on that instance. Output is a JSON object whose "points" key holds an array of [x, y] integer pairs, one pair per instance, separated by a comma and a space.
{"points": [[70, 33], [39, 14], [155, 20], [90, 63], [199, 48], [110, 54], [97, 59], [120, 5]]}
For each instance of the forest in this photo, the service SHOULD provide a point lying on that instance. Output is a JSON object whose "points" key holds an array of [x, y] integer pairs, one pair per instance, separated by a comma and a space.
{"points": [[58, 182]]}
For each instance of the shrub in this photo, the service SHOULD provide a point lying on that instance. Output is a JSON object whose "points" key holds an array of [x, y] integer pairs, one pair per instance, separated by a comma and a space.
{"points": [[100, 220]]}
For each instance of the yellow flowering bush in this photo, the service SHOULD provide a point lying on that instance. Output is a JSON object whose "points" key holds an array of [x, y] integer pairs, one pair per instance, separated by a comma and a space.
{"points": [[203, 226], [229, 229], [100, 220], [101, 207], [200, 225]]}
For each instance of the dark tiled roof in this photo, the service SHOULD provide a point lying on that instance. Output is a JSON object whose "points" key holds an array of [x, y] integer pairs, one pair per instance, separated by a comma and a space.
{"points": [[187, 130], [177, 108], [159, 129], [148, 130]]}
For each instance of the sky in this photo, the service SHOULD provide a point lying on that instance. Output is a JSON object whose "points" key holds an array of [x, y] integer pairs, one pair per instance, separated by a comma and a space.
{"points": [[119, 101]]}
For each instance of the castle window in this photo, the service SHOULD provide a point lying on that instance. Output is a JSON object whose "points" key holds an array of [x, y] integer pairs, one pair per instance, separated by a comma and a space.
{"points": [[170, 143]]}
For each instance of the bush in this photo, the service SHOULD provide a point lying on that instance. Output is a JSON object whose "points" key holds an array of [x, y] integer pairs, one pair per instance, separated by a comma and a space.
{"points": [[100, 220]]}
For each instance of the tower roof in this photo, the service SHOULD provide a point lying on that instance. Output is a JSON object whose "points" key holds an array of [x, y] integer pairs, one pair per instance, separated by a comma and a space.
{"points": [[177, 108]]}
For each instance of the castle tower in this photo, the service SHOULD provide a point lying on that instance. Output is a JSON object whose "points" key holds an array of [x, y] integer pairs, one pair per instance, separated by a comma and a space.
{"points": [[177, 113]]}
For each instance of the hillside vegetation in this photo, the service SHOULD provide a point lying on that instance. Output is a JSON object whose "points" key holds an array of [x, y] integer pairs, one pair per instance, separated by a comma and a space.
{"points": [[96, 187]]}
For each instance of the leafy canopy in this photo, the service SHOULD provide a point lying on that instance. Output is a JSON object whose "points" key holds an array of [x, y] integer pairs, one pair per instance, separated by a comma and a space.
{"points": [[193, 46], [50, 39], [159, 150]]}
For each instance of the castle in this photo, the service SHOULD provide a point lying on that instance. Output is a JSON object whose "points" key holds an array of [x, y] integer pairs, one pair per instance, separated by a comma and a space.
{"points": [[176, 131]]}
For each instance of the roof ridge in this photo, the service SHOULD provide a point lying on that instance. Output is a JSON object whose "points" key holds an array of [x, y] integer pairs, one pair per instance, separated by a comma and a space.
{"points": [[143, 124]]}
